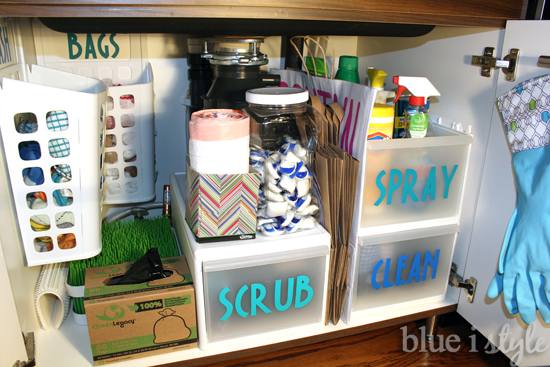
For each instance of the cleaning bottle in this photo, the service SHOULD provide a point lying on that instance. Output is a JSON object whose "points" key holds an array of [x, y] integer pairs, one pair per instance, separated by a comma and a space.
{"points": [[319, 69], [376, 81], [416, 114], [347, 69], [399, 125], [381, 122]]}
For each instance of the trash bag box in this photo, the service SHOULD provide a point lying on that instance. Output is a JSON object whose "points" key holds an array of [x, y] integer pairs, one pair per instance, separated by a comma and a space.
{"points": [[130, 321]]}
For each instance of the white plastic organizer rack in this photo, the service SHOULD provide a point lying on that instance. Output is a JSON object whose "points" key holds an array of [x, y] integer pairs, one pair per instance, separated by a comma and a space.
{"points": [[52, 132]]}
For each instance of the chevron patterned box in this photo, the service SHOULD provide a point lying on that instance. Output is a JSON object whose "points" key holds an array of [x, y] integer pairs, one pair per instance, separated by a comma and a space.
{"points": [[222, 207]]}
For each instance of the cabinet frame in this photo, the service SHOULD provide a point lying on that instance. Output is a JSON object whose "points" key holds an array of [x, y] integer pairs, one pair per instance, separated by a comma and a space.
{"points": [[443, 12]]}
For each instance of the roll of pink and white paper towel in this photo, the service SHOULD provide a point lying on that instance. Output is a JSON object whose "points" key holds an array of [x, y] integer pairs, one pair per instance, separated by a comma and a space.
{"points": [[218, 141]]}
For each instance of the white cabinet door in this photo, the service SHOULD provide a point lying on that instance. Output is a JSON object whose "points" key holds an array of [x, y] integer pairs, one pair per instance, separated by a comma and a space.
{"points": [[495, 205], [11, 339], [12, 347]]}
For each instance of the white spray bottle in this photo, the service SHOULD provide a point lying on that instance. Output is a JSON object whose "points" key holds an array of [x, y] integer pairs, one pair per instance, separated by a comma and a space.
{"points": [[416, 114]]}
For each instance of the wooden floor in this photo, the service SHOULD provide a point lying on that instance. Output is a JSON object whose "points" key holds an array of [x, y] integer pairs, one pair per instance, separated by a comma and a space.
{"points": [[381, 347]]}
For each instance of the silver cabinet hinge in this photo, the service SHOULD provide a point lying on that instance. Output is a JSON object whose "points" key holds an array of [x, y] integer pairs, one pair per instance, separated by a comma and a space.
{"points": [[469, 285], [487, 62], [29, 346]]}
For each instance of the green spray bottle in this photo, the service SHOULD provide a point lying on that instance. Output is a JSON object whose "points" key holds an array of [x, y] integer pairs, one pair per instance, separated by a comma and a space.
{"points": [[416, 114]]}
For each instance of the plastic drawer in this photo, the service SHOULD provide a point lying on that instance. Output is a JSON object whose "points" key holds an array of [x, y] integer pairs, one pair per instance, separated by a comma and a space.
{"points": [[415, 179], [402, 267], [293, 296], [233, 275]]}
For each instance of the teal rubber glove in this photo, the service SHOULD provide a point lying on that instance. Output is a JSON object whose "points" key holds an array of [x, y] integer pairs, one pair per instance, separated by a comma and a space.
{"points": [[523, 275]]}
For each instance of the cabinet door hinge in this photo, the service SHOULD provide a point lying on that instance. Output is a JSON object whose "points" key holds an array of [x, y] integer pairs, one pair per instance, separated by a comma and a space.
{"points": [[469, 285], [29, 346], [487, 62]]}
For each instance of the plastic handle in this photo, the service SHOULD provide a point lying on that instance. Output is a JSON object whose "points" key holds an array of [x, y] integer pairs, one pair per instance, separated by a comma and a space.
{"points": [[400, 90]]}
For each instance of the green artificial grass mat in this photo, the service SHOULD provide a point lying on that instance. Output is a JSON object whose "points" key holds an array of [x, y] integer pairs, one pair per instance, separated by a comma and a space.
{"points": [[125, 242]]}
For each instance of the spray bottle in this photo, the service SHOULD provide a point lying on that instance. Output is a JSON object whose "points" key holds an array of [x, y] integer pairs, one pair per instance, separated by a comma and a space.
{"points": [[416, 114]]}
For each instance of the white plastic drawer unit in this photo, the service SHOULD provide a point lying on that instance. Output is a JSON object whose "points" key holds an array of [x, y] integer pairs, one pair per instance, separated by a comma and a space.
{"points": [[268, 285], [415, 179], [401, 267], [254, 295]]}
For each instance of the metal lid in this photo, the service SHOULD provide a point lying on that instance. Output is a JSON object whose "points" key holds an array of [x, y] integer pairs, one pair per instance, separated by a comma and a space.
{"points": [[234, 51], [276, 96]]}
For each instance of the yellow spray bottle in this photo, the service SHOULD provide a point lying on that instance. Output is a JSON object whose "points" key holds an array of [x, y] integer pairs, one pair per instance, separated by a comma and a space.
{"points": [[381, 121]]}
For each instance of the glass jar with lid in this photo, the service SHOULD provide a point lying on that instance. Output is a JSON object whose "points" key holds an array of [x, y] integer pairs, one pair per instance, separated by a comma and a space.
{"points": [[276, 113]]}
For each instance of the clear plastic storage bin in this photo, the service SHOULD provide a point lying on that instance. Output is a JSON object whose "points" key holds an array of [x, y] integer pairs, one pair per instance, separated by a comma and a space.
{"points": [[250, 287], [415, 179], [402, 266], [52, 133]]}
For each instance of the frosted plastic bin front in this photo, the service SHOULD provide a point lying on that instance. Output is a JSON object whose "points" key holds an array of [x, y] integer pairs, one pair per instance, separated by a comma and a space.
{"points": [[235, 301], [415, 179], [403, 267]]}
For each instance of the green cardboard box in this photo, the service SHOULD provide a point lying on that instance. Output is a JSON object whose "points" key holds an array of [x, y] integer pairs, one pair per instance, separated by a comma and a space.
{"points": [[131, 321]]}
